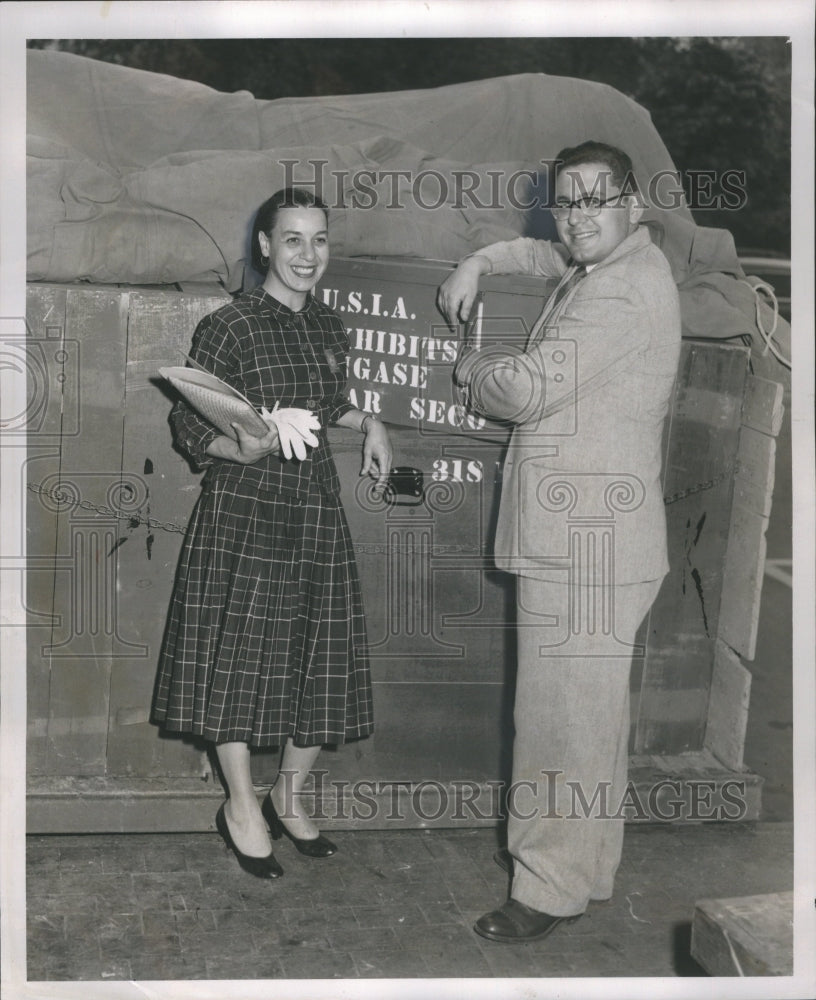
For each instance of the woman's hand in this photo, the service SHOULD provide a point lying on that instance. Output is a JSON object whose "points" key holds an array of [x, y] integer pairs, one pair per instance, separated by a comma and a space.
{"points": [[247, 449], [377, 453], [458, 290]]}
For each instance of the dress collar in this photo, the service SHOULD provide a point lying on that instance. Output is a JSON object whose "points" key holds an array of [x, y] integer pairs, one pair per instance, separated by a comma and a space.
{"points": [[262, 297]]}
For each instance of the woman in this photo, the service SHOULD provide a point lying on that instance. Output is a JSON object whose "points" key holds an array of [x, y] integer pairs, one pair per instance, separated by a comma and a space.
{"points": [[266, 644]]}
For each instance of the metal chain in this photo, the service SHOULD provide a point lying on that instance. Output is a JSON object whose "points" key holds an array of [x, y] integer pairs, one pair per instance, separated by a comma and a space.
{"points": [[133, 517], [709, 484], [384, 548]]}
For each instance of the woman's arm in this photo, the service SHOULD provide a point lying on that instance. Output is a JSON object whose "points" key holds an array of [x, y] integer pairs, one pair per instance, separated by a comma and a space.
{"points": [[377, 451], [215, 350], [248, 449]]}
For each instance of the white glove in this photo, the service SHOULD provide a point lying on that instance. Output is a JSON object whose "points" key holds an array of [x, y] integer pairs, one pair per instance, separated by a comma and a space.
{"points": [[295, 429]]}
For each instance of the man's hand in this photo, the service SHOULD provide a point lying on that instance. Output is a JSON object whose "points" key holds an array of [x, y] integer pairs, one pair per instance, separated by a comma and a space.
{"points": [[458, 290]]}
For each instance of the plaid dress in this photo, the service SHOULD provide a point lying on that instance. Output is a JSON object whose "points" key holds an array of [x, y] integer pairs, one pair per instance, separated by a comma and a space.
{"points": [[266, 637]]}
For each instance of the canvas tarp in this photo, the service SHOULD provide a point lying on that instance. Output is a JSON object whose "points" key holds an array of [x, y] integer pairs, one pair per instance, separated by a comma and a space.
{"points": [[137, 177]]}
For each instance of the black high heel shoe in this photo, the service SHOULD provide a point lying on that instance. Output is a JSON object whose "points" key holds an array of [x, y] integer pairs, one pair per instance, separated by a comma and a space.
{"points": [[314, 847], [267, 867]]}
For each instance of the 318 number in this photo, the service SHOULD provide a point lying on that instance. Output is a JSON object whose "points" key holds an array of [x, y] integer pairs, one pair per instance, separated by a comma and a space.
{"points": [[457, 471]]}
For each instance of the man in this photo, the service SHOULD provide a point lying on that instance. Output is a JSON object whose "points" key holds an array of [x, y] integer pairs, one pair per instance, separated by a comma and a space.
{"points": [[581, 522]]}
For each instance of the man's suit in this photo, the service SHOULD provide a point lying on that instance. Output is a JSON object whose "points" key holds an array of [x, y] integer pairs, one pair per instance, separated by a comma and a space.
{"points": [[582, 523]]}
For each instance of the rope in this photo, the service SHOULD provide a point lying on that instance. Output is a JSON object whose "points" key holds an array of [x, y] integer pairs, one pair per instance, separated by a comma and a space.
{"points": [[760, 288]]}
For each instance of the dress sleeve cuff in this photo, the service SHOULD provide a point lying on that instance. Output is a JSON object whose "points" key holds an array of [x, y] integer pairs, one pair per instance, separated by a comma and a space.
{"points": [[196, 447], [193, 435], [339, 410]]}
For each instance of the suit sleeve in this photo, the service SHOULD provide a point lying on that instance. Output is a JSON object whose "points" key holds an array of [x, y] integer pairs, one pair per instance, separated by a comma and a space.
{"points": [[604, 322], [525, 256]]}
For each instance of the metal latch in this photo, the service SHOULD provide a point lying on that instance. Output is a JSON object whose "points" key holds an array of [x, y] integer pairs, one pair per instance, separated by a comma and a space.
{"points": [[406, 482]]}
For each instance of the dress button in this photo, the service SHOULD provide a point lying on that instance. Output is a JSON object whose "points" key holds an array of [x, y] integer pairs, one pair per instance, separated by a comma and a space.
{"points": [[312, 374], [311, 404]]}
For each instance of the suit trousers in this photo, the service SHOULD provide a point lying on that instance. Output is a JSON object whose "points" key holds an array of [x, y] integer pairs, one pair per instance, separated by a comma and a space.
{"points": [[570, 753]]}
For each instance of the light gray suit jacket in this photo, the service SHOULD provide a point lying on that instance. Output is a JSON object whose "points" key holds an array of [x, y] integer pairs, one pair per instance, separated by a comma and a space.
{"points": [[581, 495]]}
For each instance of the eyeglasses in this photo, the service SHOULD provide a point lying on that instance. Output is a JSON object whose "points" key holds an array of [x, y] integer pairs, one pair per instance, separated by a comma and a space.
{"points": [[590, 207]]}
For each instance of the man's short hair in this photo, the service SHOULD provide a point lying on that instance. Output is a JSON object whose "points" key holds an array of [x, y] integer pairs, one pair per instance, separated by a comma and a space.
{"points": [[615, 160]]}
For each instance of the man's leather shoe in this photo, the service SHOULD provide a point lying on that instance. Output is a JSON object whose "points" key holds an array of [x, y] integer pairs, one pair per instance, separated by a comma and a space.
{"points": [[515, 922]]}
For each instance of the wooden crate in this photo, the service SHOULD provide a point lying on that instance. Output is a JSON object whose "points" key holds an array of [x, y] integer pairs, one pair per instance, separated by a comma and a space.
{"points": [[746, 936], [109, 498]]}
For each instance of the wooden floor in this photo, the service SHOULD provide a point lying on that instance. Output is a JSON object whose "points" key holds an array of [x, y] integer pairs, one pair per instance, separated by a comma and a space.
{"points": [[390, 904]]}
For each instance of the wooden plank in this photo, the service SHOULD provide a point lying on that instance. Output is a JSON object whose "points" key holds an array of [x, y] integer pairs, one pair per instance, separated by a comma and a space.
{"points": [[756, 460], [85, 584], [746, 936], [742, 581], [162, 323], [160, 328], [687, 788], [753, 495], [728, 707], [51, 369], [703, 437], [52, 366], [763, 408], [691, 787]]}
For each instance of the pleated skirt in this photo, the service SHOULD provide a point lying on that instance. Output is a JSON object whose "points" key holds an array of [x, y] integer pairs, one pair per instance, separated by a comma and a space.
{"points": [[265, 636]]}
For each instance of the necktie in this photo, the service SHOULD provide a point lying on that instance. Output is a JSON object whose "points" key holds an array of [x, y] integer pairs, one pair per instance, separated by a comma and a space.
{"points": [[568, 282]]}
